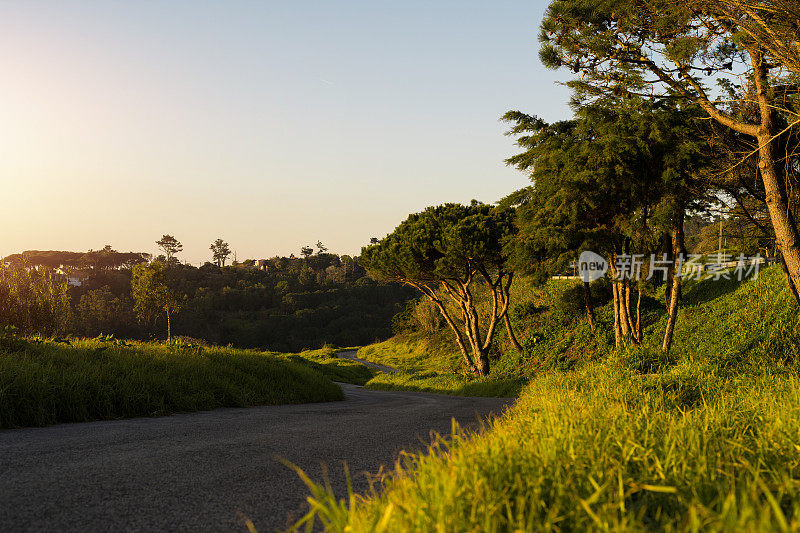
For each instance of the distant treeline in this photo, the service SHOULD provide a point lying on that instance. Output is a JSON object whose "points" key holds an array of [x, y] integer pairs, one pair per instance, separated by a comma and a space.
{"points": [[288, 304], [107, 258]]}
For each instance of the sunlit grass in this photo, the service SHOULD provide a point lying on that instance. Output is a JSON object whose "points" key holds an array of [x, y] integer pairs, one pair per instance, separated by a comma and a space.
{"points": [[45, 382], [326, 362], [446, 383], [414, 352], [605, 449], [706, 439]]}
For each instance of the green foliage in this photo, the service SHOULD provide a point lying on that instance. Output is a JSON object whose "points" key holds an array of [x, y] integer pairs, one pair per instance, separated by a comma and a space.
{"points": [[442, 242], [592, 448], [105, 259], [449, 252], [47, 382], [613, 177], [288, 305], [184, 345], [34, 300], [429, 362], [101, 310], [419, 314], [647, 359], [171, 246], [748, 326], [111, 339], [9, 341], [525, 310], [152, 292]]}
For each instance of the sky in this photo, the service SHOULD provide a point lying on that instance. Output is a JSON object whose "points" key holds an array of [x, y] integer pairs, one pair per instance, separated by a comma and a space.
{"points": [[270, 124]]}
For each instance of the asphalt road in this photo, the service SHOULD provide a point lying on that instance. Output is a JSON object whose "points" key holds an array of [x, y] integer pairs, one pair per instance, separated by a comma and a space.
{"points": [[199, 471]]}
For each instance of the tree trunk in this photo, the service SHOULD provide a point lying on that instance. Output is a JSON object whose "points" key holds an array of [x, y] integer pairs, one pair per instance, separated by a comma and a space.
{"points": [[668, 249], [482, 360], [782, 221], [169, 328], [480, 349], [628, 313], [792, 286], [638, 329], [624, 302], [674, 295], [780, 214], [459, 338], [511, 336], [505, 294], [431, 295], [587, 298], [672, 313], [617, 313]]}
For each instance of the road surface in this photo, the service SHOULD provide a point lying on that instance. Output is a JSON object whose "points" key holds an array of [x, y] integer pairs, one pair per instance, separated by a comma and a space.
{"points": [[199, 471]]}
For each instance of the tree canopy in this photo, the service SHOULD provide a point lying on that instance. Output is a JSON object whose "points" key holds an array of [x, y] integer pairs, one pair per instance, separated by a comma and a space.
{"points": [[153, 294], [170, 245], [662, 49], [613, 180], [220, 250], [444, 252]]}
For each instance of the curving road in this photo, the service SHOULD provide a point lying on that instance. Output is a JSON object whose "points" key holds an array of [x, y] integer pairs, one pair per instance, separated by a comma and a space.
{"points": [[199, 471]]}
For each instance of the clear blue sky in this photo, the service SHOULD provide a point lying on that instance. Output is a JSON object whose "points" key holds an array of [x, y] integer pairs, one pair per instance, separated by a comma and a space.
{"points": [[269, 124]]}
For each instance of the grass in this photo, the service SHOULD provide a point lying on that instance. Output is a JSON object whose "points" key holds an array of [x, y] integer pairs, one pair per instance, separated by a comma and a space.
{"points": [[46, 382], [430, 363], [707, 439], [416, 351], [451, 383], [332, 367]]}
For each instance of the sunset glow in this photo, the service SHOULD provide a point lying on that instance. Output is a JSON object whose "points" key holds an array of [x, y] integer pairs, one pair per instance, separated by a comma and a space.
{"points": [[269, 126]]}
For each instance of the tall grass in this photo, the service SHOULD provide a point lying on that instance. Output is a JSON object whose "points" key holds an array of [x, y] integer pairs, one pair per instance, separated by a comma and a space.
{"points": [[45, 382], [706, 439]]}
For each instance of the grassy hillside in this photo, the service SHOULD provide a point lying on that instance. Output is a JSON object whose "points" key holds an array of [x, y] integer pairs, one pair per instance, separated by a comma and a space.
{"points": [[326, 362], [706, 439], [550, 321], [548, 318], [417, 351], [45, 382], [431, 363]]}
